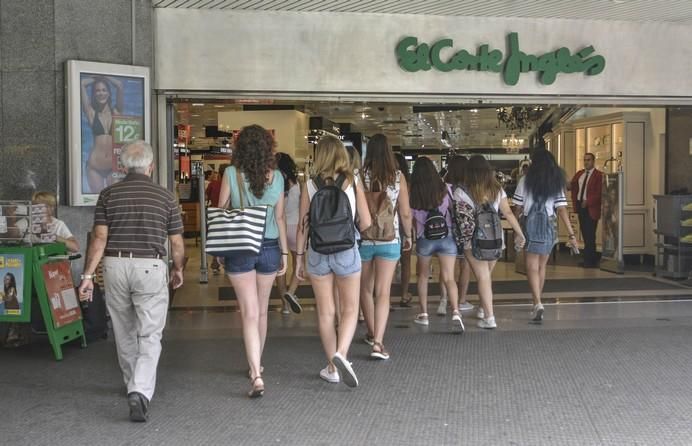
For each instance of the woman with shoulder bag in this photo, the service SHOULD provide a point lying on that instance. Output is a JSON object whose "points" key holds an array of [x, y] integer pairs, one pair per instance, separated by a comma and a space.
{"points": [[253, 180]]}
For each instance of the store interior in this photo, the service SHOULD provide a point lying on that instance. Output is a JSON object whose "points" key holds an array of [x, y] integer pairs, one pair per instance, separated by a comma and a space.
{"points": [[622, 138]]}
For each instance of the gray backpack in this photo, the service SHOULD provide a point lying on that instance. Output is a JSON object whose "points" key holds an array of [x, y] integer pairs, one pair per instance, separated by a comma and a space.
{"points": [[486, 243], [538, 227]]}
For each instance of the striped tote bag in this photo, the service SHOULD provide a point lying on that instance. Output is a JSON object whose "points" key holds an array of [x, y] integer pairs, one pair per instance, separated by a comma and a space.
{"points": [[235, 231]]}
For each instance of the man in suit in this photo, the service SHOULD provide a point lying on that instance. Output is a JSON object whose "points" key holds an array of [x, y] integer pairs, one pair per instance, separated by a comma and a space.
{"points": [[586, 197]]}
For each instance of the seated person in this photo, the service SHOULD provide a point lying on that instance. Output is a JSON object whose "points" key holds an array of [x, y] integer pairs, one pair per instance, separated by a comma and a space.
{"points": [[55, 226]]}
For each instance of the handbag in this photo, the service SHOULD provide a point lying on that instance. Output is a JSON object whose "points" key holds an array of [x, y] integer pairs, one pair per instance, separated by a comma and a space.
{"points": [[235, 231]]}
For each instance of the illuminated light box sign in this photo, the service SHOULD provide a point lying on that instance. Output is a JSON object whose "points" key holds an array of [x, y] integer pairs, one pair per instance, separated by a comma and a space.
{"points": [[413, 56]]}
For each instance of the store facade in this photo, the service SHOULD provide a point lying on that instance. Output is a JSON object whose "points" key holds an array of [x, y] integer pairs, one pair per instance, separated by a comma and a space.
{"points": [[438, 59]]}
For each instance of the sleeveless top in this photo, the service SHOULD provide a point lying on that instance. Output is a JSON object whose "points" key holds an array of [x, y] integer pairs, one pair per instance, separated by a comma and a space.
{"points": [[272, 193]]}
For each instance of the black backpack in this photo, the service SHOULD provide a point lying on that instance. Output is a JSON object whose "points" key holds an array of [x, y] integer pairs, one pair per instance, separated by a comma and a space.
{"points": [[331, 220], [486, 243], [435, 226]]}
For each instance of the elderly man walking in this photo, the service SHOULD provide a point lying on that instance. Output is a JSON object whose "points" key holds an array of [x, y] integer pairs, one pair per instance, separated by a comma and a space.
{"points": [[132, 221]]}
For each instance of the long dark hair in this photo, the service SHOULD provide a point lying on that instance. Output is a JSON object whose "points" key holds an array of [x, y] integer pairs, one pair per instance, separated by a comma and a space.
{"points": [[13, 282], [403, 166], [544, 179], [254, 156], [427, 188], [288, 168], [480, 180], [94, 103], [455, 170], [379, 164]]}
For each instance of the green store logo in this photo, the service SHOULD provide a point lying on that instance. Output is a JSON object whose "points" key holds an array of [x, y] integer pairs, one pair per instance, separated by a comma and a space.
{"points": [[413, 57]]}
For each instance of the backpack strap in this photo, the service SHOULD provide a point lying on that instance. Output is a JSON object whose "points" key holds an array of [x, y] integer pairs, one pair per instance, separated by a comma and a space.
{"points": [[319, 182], [340, 179]]}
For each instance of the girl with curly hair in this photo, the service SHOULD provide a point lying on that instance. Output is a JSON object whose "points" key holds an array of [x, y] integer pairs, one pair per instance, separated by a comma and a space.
{"points": [[254, 161]]}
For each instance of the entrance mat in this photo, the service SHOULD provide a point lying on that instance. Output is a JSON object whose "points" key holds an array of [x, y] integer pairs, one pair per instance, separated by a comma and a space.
{"points": [[521, 286]]}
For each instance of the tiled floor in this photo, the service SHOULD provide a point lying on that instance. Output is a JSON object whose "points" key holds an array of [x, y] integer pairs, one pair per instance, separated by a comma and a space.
{"points": [[591, 374]]}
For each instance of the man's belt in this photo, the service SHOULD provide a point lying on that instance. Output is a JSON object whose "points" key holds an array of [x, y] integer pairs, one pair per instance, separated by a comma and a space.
{"points": [[130, 255]]}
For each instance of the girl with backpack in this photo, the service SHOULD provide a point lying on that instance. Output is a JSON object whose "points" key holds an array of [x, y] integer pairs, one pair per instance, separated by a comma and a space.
{"points": [[431, 204], [539, 198], [405, 259], [289, 170], [254, 180], [484, 194], [455, 177], [328, 204], [388, 201]]}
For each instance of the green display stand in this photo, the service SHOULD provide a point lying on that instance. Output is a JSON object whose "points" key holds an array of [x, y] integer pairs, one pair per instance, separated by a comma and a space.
{"points": [[23, 267]]}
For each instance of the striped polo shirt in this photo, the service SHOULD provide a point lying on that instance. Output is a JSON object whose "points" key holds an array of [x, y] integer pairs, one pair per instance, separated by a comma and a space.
{"points": [[140, 216]]}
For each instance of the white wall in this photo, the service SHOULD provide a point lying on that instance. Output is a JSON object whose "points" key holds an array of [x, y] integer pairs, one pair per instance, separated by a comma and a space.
{"points": [[290, 127], [279, 52]]}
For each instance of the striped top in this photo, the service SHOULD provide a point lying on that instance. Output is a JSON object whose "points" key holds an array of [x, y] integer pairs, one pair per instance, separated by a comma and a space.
{"points": [[140, 216], [523, 198]]}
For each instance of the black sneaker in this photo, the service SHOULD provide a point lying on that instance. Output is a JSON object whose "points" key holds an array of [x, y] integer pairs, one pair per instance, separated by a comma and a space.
{"points": [[139, 407], [292, 301]]}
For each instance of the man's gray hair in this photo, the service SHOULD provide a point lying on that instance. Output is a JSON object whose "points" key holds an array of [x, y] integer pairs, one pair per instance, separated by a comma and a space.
{"points": [[137, 156]]}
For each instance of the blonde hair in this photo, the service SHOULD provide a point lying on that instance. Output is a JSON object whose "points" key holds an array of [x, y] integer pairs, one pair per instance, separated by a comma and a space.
{"points": [[331, 159], [480, 181], [47, 198]]}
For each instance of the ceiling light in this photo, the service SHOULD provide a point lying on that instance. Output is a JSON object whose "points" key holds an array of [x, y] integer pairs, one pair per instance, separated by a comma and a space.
{"points": [[197, 104]]}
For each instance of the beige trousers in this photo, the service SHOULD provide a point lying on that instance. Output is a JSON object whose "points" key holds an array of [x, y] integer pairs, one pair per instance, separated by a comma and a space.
{"points": [[137, 300]]}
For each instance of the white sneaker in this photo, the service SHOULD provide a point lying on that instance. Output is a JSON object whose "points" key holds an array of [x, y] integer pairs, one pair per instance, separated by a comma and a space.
{"points": [[465, 306], [442, 308], [487, 323], [457, 323], [537, 313], [345, 370], [330, 377], [421, 319], [480, 314]]}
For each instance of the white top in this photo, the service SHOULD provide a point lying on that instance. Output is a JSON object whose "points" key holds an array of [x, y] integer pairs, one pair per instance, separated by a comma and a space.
{"points": [[56, 227], [350, 193], [292, 205], [393, 195], [581, 180], [460, 194], [525, 200]]}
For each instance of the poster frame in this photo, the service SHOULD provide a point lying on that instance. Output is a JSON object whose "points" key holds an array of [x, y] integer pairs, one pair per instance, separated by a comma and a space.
{"points": [[73, 72]]}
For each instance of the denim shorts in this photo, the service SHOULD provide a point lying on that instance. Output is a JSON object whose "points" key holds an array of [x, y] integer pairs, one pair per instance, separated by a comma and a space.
{"points": [[266, 262], [342, 263], [442, 247], [387, 251]]}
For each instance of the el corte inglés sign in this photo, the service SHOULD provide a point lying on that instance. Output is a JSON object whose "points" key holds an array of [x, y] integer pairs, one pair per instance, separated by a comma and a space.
{"points": [[413, 56]]}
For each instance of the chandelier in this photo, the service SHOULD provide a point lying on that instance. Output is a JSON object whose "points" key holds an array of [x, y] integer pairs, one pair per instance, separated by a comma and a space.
{"points": [[519, 118], [512, 144]]}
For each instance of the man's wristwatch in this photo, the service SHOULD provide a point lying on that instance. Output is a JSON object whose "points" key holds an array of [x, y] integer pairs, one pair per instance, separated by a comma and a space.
{"points": [[87, 276]]}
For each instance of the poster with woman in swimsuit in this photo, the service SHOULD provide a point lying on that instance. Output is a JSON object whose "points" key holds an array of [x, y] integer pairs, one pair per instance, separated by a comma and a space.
{"points": [[108, 107]]}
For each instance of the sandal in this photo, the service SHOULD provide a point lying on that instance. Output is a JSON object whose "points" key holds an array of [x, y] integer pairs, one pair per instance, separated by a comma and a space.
{"points": [[421, 319], [249, 372], [381, 354], [257, 390], [405, 302]]}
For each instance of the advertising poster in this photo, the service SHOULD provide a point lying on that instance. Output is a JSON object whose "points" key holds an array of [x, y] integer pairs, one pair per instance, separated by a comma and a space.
{"points": [[12, 291], [112, 115], [108, 107], [62, 297]]}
